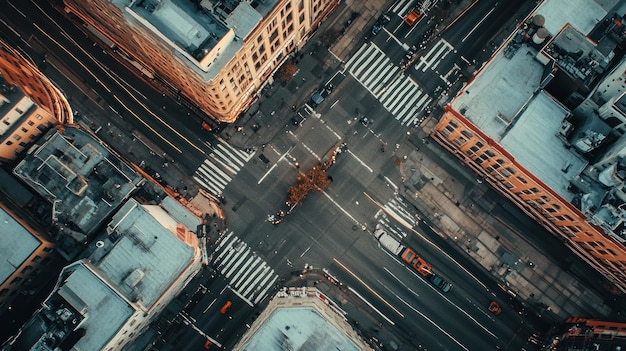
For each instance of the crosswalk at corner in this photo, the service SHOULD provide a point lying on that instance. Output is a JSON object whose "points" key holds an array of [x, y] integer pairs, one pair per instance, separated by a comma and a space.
{"points": [[395, 218], [432, 58], [398, 93], [223, 163], [248, 274], [403, 7]]}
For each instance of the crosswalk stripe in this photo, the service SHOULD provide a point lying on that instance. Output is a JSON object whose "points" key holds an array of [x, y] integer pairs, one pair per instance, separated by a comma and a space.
{"points": [[235, 261], [245, 273], [397, 92], [401, 109], [378, 78], [265, 270], [210, 175], [248, 274], [402, 7], [263, 293], [229, 166], [374, 65], [224, 240], [357, 57], [244, 269], [231, 154], [207, 185], [221, 165], [245, 156], [226, 249], [216, 171]]}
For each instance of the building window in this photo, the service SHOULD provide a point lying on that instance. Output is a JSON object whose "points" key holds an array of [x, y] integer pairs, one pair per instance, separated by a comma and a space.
{"points": [[9, 142], [467, 134]]}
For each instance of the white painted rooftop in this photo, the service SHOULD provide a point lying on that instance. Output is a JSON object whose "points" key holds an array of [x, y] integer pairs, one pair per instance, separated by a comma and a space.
{"points": [[581, 14], [298, 328], [505, 102], [106, 311], [533, 142], [16, 245], [149, 249]]}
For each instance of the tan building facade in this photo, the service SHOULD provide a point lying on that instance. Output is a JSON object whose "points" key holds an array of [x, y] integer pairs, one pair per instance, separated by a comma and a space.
{"points": [[487, 158], [218, 54], [26, 106]]}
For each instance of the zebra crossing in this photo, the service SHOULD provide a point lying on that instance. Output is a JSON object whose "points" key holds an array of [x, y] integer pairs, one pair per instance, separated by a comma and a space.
{"points": [[395, 217], [432, 58], [223, 163], [248, 274], [403, 7], [399, 94]]}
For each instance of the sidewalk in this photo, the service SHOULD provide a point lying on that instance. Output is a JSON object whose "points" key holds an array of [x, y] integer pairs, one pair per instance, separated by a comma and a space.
{"points": [[464, 212]]}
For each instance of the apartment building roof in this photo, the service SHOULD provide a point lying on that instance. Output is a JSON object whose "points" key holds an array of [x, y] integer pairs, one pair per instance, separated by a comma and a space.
{"points": [[301, 319], [134, 265], [580, 14], [83, 180], [15, 247], [507, 100], [206, 34], [143, 254]]}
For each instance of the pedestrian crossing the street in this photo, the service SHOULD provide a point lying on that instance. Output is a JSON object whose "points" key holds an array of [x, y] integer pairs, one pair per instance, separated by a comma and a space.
{"points": [[248, 274], [403, 7], [399, 94], [221, 166], [432, 58], [395, 218]]}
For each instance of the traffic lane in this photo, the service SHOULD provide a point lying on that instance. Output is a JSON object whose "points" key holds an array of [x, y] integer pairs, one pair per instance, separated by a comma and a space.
{"points": [[478, 13], [90, 56], [444, 329], [473, 36], [393, 278]]}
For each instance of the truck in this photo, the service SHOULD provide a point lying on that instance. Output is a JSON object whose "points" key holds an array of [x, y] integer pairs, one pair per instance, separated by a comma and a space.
{"points": [[388, 242], [406, 254], [409, 256]]}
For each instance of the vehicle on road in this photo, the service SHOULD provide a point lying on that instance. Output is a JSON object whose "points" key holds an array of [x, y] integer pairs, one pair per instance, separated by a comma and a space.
{"points": [[206, 126], [440, 283], [226, 307], [321, 94], [411, 18], [388, 242], [409, 256], [495, 308], [376, 28]]}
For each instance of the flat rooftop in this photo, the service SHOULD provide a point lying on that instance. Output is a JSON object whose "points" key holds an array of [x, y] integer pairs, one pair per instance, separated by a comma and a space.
{"points": [[82, 179], [506, 102], [16, 245], [207, 34], [298, 319], [104, 310], [145, 255], [581, 14]]}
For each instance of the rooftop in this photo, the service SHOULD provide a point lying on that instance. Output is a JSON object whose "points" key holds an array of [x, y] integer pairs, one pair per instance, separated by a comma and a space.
{"points": [[581, 14], [505, 102], [16, 247], [301, 319], [83, 180], [127, 272], [205, 34], [143, 254]]}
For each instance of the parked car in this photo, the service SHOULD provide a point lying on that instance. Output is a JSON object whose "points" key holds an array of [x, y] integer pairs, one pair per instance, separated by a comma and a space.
{"points": [[441, 283], [376, 28], [319, 96]]}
